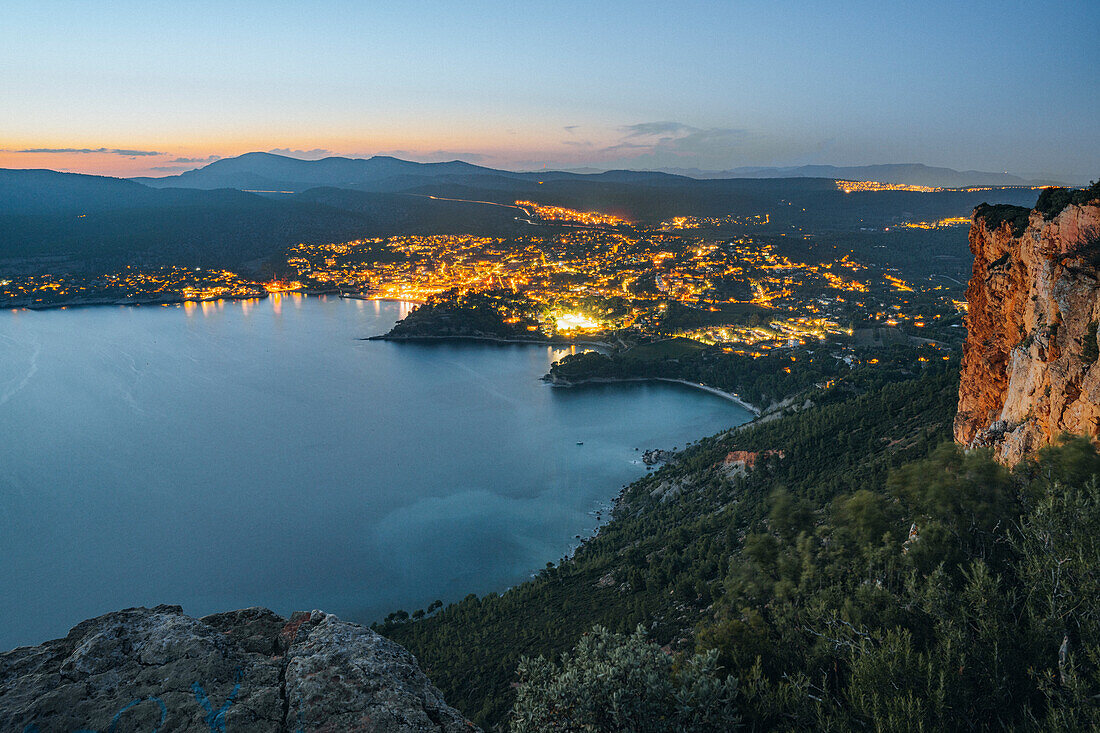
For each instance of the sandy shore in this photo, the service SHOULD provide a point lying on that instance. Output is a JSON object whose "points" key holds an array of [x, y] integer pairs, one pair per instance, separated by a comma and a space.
{"points": [[706, 388]]}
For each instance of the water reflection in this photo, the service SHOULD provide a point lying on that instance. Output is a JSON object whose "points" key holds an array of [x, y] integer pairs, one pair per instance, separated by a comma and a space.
{"points": [[277, 459]]}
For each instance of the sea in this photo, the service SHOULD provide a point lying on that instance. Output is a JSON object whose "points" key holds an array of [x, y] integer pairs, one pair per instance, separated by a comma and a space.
{"points": [[229, 454]]}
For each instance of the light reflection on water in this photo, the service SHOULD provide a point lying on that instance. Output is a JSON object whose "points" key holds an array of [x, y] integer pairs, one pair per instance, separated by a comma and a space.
{"points": [[245, 453]]}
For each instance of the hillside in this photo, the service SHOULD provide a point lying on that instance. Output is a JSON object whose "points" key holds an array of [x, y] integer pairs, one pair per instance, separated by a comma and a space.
{"points": [[797, 200], [53, 221], [77, 222], [663, 559], [846, 563]]}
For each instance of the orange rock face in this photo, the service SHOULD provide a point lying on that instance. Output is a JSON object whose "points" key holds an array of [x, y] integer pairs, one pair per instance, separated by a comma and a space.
{"points": [[1029, 372], [747, 459]]}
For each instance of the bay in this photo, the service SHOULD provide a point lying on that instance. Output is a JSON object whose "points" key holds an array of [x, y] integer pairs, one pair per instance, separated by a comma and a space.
{"points": [[231, 454]]}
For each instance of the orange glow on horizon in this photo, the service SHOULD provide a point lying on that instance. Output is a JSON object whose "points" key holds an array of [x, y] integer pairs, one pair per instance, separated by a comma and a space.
{"points": [[529, 148]]}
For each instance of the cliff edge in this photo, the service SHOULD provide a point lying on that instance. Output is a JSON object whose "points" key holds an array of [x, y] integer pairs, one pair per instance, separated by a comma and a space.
{"points": [[248, 670], [1029, 369]]}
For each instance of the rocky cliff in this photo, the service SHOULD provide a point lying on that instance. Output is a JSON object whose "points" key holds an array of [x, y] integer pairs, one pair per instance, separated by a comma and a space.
{"points": [[250, 670], [1029, 370]]}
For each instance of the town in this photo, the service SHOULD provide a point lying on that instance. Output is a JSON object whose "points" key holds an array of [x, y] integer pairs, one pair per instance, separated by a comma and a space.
{"points": [[584, 274]]}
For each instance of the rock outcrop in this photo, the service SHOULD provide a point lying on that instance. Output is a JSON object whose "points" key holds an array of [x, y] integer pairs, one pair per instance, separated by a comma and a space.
{"points": [[1030, 370], [251, 670]]}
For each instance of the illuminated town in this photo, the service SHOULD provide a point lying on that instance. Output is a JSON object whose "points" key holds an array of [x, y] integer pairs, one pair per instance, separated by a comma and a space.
{"points": [[853, 186], [129, 286], [695, 222], [599, 278], [562, 214], [951, 221]]}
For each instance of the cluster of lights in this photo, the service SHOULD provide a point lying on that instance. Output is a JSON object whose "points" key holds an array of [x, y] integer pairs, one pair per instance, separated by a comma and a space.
{"points": [[562, 214], [852, 186], [564, 281], [132, 283], [573, 322], [951, 221], [695, 222], [898, 283]]}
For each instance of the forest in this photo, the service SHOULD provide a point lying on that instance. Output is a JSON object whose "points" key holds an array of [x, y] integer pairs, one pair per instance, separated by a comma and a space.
{"points": [[762, 381]]}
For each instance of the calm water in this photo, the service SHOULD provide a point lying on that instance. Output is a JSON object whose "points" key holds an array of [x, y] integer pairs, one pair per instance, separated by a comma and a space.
{"points": [[239, 454]]}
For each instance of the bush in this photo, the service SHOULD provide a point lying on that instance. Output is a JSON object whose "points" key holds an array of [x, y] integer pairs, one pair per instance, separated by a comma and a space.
{"points": [[1053, 200], [611, 682], [997, 214], [1090, 350]]}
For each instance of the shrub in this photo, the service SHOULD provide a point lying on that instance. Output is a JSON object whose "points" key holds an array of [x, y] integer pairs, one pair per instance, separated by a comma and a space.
{"points": [[611, 682]]}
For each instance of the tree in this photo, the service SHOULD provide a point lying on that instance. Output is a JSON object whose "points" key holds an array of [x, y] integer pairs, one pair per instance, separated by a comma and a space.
{"points": [[611, 682]]}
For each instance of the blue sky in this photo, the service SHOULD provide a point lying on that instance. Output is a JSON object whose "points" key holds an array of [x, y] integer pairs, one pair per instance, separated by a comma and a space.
{"points": [[985, 85]]}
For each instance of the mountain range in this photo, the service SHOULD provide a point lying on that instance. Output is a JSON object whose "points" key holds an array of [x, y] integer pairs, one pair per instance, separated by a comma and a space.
{"points": [[271, 172], [913, 174], [243, 210]]}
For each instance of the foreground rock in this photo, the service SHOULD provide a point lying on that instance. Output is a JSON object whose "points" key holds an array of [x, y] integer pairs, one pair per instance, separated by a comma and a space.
{"points": [[1030, 370], [251, 670]]}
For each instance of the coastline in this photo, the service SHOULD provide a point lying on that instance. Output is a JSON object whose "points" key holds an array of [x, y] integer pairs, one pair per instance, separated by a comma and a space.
{"points": [[20, 304], [756, 411], [92, 302], [358, 296], [491, 339]]}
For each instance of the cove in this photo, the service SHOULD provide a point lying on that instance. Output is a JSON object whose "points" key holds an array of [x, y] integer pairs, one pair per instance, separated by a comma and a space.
{"points": [[232, 454]]}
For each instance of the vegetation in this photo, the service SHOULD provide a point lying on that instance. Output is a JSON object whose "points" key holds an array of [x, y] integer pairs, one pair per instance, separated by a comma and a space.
{"points": [[984, 616], [917, 254], [997, 214], [1052, 201], [866, 574], [673, 348], [761, 381], [623, 683], [452, 315], [664, 558], [678, 317], [1090, 350]]}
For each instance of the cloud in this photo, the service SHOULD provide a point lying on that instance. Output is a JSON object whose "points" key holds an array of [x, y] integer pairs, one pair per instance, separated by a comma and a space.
{"points": [[171, 168], [107, 151], [650, 129], [308, 154], [207, 159], [668, 143], [570, 128], [435, 156]]}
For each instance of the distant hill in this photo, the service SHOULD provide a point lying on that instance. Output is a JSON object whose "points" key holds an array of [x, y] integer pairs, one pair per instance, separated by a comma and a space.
{"points": [[270, 172], [95, 221], [46, 191], [87, 221], [913, 174]]}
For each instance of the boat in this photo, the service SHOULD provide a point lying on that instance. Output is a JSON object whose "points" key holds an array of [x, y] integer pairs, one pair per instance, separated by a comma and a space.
{"points": [[580, 442]]}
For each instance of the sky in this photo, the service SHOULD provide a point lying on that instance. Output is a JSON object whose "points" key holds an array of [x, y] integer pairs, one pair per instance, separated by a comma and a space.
{"points": [[147, 88]]}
